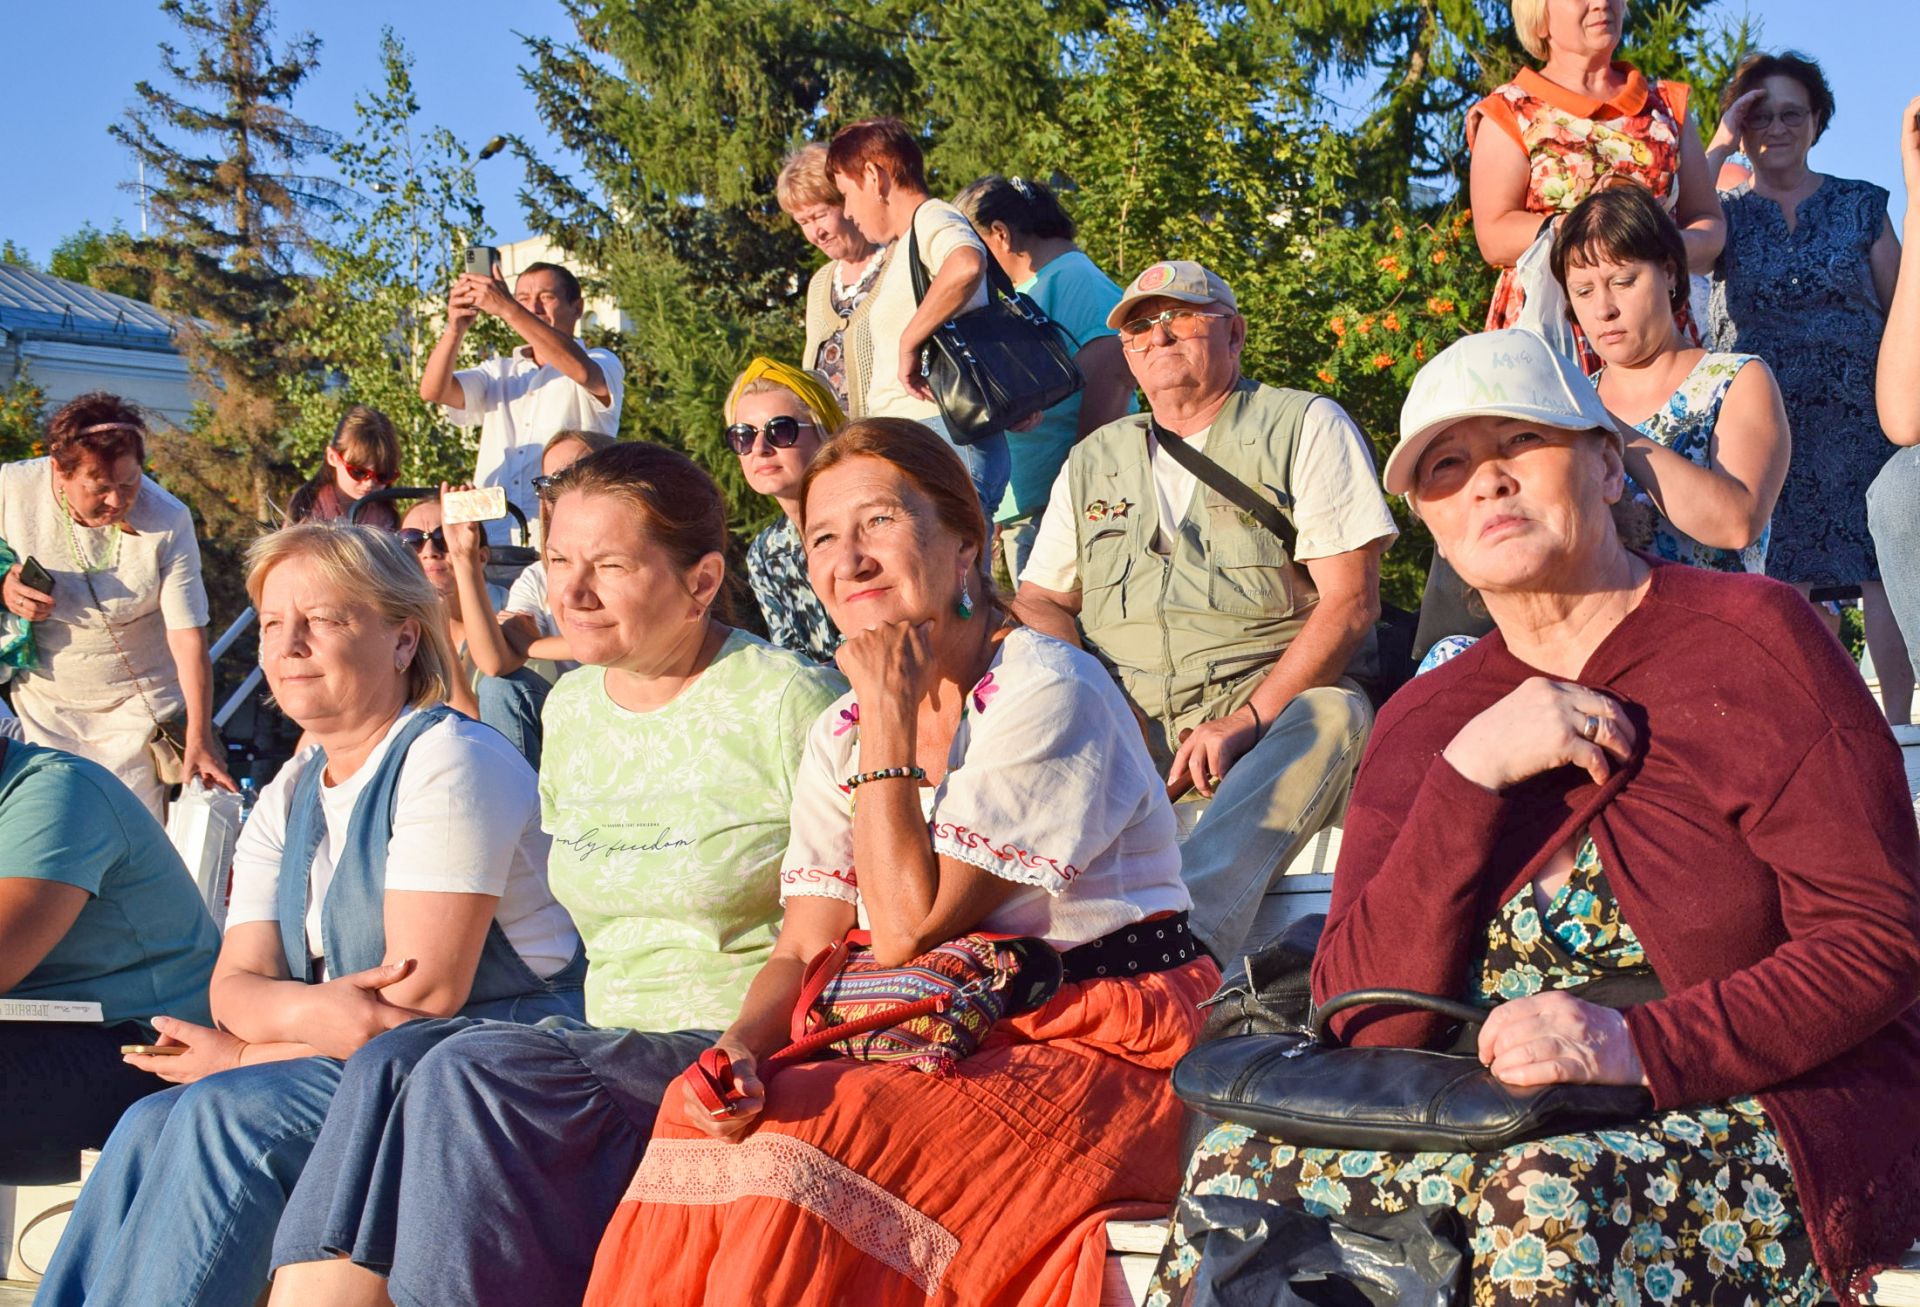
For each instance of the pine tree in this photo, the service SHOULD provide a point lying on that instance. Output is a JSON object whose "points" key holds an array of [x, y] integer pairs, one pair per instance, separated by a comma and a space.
{"points": [[230, 210]]}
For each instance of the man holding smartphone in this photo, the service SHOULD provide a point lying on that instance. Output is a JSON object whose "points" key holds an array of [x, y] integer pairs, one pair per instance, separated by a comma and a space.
{"points": [[551, 383]]}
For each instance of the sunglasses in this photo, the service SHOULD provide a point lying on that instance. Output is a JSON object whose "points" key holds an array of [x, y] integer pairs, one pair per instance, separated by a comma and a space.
{"points": [[416, 539], [781, 432], [1181, 324]]}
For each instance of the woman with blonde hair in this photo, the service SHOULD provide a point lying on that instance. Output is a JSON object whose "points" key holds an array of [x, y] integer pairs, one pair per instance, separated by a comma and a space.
{"points": [[394, 869], [364, 455], [840, 285], [1562, 131], [777, 419]]}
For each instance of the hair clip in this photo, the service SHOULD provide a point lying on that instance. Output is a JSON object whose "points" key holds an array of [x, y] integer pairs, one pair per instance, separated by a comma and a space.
{"points": [[1020, 184]]}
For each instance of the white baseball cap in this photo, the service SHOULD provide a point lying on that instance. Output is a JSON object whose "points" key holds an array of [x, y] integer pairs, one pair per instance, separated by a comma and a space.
{"points": [[1507, 374]]}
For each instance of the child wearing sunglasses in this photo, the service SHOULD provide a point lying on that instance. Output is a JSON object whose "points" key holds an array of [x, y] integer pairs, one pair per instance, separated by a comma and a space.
{"points": [[364, 455], [777, 419]]}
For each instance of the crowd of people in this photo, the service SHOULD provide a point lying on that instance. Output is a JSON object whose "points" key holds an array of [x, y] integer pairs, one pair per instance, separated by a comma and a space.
{"points": [[516, 940]]}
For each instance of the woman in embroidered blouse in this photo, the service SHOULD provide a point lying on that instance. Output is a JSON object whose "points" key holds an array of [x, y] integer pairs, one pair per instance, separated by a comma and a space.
{"points": [[777, 418], [394, 870], [1805, 283], [476, 1163], [1040, 815], [122, 639], [1709, 444], [839, 286], [1559, 132]]}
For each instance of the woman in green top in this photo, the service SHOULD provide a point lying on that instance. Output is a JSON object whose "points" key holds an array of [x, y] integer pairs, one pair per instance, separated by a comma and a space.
{"points": [[666, 782], [94, 907]]}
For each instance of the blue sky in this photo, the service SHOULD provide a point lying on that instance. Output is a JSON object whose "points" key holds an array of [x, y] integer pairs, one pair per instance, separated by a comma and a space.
{"points": [[63, 169]]}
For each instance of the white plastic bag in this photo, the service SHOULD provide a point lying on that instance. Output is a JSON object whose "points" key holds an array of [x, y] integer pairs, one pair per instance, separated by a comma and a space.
{"points": [[204, 826], [1544, 310]]}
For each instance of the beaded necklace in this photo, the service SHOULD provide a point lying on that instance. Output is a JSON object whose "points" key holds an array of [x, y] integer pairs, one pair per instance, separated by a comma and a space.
{"points": [[80, 560]]}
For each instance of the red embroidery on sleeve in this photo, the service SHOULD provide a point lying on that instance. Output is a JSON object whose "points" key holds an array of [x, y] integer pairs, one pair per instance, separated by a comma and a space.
{"points": [[1027, 860]]}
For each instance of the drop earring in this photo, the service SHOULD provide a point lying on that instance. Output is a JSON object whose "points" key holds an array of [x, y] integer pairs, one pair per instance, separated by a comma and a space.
{"points": [[964, 605]]}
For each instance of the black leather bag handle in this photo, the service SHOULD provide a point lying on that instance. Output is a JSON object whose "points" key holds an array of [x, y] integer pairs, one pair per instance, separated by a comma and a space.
{"points": [[1465, 1013]]}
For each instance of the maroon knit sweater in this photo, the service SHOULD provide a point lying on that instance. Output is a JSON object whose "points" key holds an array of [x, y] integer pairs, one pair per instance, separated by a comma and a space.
{"points": [[1761, 846]]}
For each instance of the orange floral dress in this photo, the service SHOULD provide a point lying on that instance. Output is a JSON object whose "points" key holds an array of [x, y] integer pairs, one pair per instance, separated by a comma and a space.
{"points": [[1573, 142]]}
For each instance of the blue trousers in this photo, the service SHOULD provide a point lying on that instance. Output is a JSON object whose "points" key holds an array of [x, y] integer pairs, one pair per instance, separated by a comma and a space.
{"points": [[511, 705], [478, 1162], [1893, 515], [182, 1205], [989, 464]]}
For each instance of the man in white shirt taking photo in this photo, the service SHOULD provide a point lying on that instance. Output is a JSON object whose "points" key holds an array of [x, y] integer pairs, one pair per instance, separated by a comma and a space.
{"points": [[551, 383]]}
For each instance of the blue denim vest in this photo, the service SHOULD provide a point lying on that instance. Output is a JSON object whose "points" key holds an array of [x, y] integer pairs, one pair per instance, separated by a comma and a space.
{"points": [[353, 918]]}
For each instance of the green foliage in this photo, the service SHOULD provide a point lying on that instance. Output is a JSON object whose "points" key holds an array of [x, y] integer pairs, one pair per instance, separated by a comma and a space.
{"points": [[23, 420], [16, 255], [372, 314], [100, 259]]}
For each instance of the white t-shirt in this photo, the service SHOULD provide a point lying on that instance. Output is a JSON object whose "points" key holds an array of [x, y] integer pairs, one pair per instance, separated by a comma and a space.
{"points": [[1046, 719], [942, 230], [529, 599], [519, 405], [467, 822], [1337, 504]]}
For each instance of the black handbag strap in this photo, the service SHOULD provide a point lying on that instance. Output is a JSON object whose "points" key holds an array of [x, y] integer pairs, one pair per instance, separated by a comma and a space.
{"points": [[1217, 478], [997, 280], [1465, 1013]]}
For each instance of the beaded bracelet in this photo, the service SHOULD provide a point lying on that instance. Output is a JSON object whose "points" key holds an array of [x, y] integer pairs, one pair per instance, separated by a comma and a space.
{"points": [[887, 774]]}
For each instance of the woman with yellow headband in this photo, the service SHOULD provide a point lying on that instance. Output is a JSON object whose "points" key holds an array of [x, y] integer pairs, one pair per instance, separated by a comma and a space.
{"points": [[777, 418]]}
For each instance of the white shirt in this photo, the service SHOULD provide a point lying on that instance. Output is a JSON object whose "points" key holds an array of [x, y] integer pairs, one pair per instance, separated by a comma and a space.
{"points": [[1337, 504], [529, 598], [942, 230], [1097, 855], [467, 821], [519, 405]]}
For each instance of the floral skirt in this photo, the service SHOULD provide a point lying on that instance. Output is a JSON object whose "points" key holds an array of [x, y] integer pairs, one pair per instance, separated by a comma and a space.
{"points": [[1693, 1206]]}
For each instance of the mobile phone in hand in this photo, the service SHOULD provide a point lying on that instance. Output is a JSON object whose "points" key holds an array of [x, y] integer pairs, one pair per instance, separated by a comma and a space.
{"points": [[481, 260], [154, 1050], [35, 577], [487, 504]]}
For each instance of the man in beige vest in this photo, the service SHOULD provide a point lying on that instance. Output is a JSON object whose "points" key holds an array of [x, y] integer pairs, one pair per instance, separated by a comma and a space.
{"points": [[1229, 625]]}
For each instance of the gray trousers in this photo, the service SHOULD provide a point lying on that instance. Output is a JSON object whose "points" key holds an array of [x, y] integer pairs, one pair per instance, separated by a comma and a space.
{"points": [[1276, 798]]}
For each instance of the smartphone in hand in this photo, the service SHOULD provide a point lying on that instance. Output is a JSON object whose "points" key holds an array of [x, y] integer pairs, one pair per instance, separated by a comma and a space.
{"points": [[481, 260], [154, 1050], [487, 504], [35, 577]]}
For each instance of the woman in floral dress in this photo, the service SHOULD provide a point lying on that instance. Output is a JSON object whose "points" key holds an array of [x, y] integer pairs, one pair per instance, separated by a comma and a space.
{"points": [[1579, 122]]}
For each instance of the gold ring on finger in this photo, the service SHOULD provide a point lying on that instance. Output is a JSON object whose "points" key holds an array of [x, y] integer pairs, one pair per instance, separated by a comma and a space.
{"points": [[1212, 781]]}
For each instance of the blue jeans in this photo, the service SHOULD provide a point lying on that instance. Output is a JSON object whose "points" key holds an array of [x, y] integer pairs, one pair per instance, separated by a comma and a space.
{"points": [[989, 463], [511, 705], [181, 1208], [1893, 515], [1274, 799], [477, 1162]]}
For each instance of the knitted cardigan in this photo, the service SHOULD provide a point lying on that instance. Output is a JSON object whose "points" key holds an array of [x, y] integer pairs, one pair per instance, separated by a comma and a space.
{"points": [[1761, 845], [857, 344]]}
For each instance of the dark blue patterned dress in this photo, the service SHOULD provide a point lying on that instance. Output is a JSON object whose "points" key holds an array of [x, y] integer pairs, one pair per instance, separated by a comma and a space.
{"points": [[1804, 301], [796, 619]]}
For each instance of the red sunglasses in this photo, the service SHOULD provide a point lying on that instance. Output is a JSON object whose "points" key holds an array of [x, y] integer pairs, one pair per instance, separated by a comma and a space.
{"points": [[359, 473]]}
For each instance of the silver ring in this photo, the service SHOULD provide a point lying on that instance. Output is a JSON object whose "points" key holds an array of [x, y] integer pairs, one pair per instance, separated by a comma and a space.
{"points": [[1591, 731]]}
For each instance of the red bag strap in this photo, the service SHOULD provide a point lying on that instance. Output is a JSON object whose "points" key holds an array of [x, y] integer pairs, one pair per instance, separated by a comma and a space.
{"points": [[820, 973], [711, 1077]]}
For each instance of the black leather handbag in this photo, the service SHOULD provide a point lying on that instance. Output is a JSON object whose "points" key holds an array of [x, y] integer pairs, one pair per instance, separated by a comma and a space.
{"points": [[1309, 1090], [995, 365]]}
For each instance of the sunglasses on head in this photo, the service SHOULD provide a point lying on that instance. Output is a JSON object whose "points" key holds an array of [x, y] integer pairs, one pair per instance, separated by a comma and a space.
{"points": [[416, 539], [781, 432]]}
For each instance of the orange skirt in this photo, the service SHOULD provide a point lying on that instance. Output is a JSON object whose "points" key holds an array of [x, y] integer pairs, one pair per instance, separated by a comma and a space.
{"points": [[874, 1184]]}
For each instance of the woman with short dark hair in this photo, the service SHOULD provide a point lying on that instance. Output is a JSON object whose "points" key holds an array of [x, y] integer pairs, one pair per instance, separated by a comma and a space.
{"points": [[1804, 282], [1030, 235], [1709, 445], [121, 638]]}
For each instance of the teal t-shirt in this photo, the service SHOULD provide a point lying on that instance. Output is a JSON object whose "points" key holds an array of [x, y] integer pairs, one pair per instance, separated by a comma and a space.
{"points": [[1076, 294], [668, 829], [143, 945]]}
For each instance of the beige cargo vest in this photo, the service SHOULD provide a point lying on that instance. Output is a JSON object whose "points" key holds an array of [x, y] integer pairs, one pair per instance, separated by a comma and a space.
{"points": [[1189, 633]]}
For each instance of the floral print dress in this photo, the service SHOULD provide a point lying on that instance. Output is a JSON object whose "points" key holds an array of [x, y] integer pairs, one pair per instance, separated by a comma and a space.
{"points": [[1573, 143], [777, 571], [1685, 424], [1691, 1206]]}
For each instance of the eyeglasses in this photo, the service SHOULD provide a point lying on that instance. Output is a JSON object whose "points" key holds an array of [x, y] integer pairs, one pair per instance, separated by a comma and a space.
{"points": [[1181, 324], [1791, 119], [543, 484], [416, 539], [782, 432]]}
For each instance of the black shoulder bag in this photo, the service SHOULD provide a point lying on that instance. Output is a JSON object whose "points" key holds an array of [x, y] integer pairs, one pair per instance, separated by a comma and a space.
{"points": [[995, 365], [1392, 651]]}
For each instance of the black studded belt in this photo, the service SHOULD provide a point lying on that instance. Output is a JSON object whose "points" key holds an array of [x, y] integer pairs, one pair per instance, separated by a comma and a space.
{"points": [[1159, 944]]}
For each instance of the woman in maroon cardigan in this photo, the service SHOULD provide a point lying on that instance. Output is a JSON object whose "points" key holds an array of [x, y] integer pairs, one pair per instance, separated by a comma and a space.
{"points": [[1646, 767]]}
